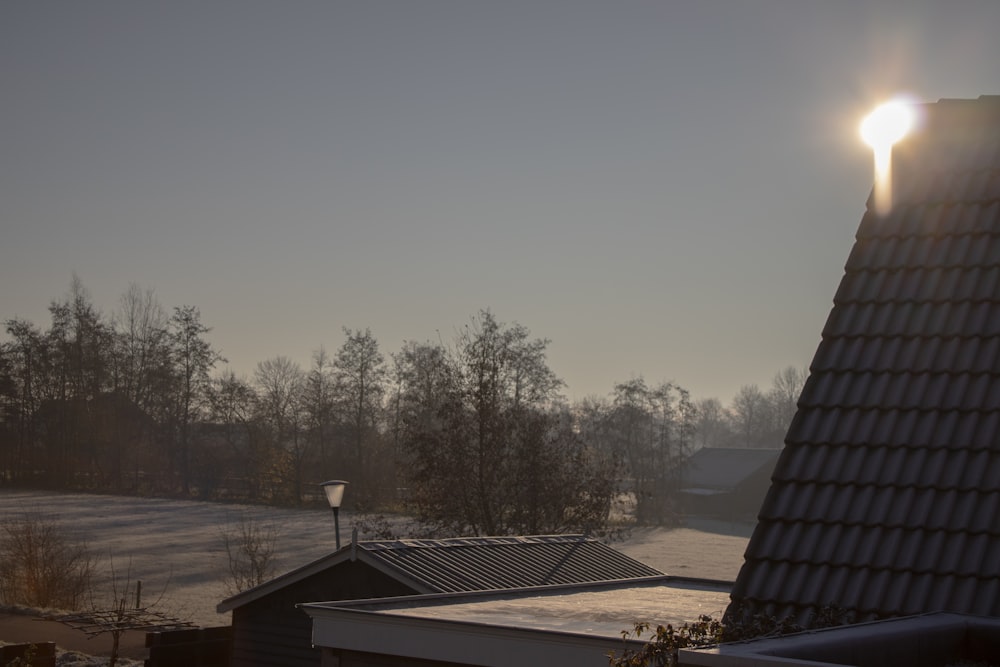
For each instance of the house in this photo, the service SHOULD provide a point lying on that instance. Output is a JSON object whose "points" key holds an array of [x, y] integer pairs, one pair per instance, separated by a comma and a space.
{"points": [[575, 625], [885, 501], [726, 482], [269, 630]]}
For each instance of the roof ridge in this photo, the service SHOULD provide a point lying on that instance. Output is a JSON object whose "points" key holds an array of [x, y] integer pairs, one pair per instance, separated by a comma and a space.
{"points": [[458, 542]]}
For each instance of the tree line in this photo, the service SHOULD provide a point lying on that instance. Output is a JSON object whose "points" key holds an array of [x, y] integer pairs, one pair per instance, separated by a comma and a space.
{"points": [[472, 437]]}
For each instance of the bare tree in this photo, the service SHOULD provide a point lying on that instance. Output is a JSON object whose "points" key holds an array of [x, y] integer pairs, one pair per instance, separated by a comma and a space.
{"points": [[651, 428], [39, 566], [711, 428], [488, 414], [140, 350], [123, 612], [251, 558], [784, 395], [752, 416], [234, 403], [77, 358], [361, 380], [279, 384], [193, 358], [24, 379], [317, 399]]}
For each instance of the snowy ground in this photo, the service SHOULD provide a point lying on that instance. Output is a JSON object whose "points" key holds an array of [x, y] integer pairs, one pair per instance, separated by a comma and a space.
{"points": [[175, 547]]}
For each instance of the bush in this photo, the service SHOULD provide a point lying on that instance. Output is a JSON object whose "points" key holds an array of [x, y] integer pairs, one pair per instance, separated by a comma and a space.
{"points": [[661, 650], [250, 552], [40, 566], [664, 642]]}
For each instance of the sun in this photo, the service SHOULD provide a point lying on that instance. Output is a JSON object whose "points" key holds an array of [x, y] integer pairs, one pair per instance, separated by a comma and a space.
{"points": [[887, 124], [880, 129]]}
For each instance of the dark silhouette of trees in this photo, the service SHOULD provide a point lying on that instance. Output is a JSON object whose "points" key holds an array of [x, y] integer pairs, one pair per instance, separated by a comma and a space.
{"points": [[489, 450], [233, 411], [140, 365], [22, 384], [280, 383], [475, 435], [650, 429], [318, 396], [192, 359], [360, 380]]}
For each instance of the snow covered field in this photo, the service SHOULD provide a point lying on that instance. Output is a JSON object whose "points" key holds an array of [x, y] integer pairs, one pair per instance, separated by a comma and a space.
{"points": [[175, 547]]}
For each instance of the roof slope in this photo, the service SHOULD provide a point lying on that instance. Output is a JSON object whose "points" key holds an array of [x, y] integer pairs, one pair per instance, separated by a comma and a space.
{"points": [[496, 563], [723, 469], [473, 564], [886, 498]]}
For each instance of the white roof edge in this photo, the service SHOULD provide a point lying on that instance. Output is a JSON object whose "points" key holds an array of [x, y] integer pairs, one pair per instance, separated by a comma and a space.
{"points": [[454, 641], [283, 580], [315, 567], [371, 604], [350, 552]]}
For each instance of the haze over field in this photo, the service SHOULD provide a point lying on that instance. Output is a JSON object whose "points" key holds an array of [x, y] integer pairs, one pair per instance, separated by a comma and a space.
{"points": [[175, 546], [666, 189]]}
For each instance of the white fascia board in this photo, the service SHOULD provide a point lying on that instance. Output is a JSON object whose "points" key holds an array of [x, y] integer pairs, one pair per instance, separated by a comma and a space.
{"points": [[453, 641]]}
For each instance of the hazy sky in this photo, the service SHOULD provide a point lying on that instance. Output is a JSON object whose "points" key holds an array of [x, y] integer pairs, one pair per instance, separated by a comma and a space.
{"points": [[665, 189]]}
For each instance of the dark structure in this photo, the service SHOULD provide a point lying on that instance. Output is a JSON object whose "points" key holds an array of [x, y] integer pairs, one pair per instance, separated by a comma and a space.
{"points": [[886, 498], [38, 654], [727, 483], [195, 647], [268, 629], [574, 624]]}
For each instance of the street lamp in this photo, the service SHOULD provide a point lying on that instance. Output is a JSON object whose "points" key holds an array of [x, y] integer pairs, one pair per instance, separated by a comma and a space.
{"points": [[334, 490]]}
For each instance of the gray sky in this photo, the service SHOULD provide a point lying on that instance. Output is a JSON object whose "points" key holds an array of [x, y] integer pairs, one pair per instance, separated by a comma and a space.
{"points": [[665, 189]]}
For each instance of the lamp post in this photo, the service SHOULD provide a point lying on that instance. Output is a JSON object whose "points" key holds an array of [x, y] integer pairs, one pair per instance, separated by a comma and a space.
{"points": [[334, 490]]}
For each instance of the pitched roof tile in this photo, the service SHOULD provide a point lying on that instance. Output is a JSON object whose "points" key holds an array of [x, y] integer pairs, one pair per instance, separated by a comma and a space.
{"points": [[886, 498]]}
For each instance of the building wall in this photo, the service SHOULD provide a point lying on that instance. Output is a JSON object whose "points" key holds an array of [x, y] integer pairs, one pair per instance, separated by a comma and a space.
{"points": [[272, 632], [337, 658]]}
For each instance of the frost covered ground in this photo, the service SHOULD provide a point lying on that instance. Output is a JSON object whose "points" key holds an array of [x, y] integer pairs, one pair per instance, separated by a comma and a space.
{"points": [[175, 547]]}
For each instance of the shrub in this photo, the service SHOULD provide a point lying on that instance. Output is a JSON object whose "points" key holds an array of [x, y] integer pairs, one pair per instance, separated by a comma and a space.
{"points": [[664, 642], [661, 649], [40, 566], [250, 552]]}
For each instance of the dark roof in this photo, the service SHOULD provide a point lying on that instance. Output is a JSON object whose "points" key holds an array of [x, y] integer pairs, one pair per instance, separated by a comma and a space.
{"points": [[495, 563], [886, 498], [474, 564], [723, 469]]}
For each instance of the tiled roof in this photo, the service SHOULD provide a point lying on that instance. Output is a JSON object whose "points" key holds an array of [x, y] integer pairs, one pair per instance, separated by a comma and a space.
{"points": [[725, 468], [496, 563], [471, 564], [886, 498]]}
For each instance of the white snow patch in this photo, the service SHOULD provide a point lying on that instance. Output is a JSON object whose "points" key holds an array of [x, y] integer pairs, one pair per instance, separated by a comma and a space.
{"points": [[175, 548]]}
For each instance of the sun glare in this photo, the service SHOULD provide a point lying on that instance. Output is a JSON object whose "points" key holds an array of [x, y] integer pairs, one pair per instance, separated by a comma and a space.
{"points": [[883, 127], [887, 124]]}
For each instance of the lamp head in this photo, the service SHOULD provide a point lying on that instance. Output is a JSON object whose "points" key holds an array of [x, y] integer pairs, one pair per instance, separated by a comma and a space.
{"points": [[334, 490]]}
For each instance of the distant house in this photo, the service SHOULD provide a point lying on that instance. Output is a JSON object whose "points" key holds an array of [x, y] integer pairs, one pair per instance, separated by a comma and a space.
{"points": [[727, 483], [886, 498], [268, 629]]}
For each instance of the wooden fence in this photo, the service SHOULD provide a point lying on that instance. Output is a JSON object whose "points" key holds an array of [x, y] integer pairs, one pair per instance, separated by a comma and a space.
{"points": [[38, 654], [197, 647]]}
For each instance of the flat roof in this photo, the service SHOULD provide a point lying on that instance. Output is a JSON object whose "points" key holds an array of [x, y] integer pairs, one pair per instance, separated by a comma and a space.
{"points": [[505, 628], [603, 609], [603, 612]]}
